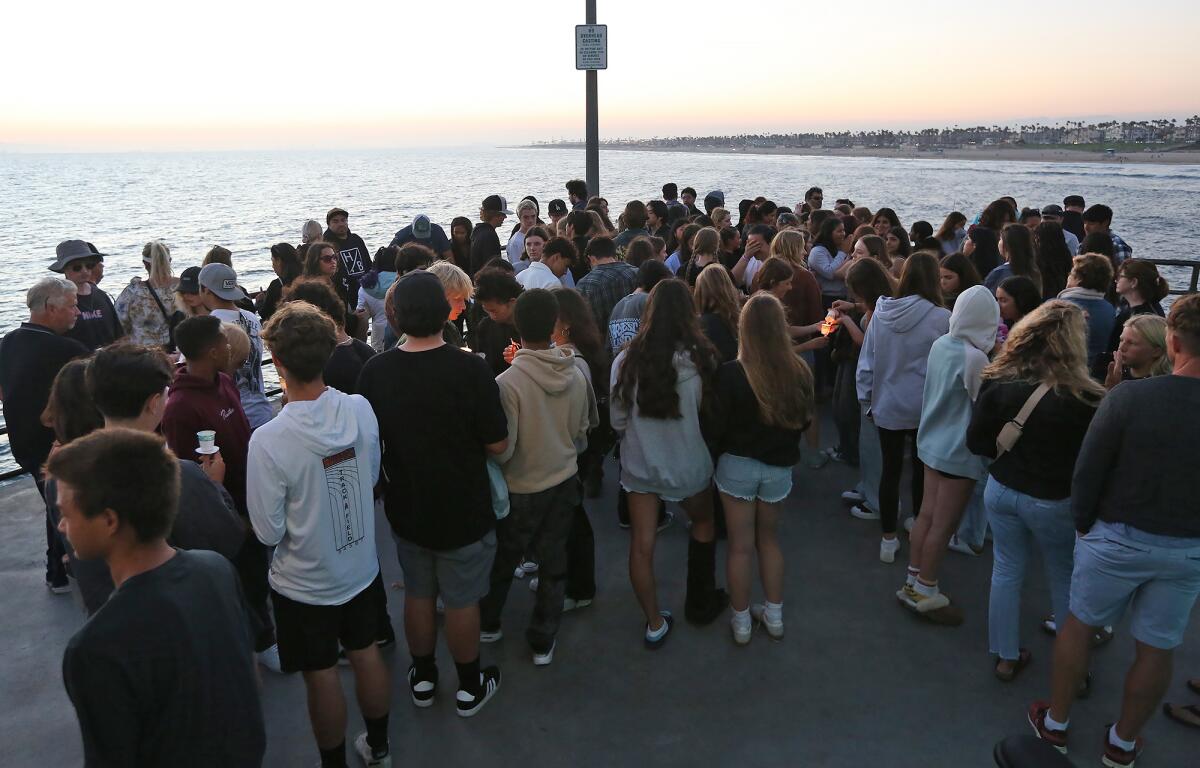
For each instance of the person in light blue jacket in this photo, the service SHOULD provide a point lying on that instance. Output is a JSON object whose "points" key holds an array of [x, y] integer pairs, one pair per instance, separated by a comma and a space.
{"points": [[952, 379], [1091, 275], [891, 378], [826, 259]]}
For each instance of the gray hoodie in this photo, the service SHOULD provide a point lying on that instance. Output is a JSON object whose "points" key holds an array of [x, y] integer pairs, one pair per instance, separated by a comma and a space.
{"points": [[667, 457], [310, 491], [895, 350]]}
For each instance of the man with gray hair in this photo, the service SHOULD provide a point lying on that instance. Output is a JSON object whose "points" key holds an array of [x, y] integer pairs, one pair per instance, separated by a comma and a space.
{"points": [[30, 357]]}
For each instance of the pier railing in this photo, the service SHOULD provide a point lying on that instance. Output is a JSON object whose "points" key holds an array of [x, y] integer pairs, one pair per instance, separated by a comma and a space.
{"points": [[1193, 286]]}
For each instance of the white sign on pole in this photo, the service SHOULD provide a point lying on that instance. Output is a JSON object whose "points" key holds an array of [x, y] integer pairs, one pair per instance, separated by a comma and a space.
{"points": [[591, 46]]}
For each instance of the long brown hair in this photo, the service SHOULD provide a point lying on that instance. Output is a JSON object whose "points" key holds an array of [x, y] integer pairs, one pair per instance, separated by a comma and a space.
{"points": [[780, 379], [774, 271], [312, 258], [648, 374], [877, 247], [1049, 346], [920, 277], [70, 411], [715, 294]]}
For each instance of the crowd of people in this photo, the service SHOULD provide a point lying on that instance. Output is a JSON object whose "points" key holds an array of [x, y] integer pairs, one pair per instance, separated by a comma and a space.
{"points": [[1022, 365]]}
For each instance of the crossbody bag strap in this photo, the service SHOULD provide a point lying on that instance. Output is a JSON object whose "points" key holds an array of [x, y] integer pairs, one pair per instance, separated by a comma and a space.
{"points": [[1012, 431]]}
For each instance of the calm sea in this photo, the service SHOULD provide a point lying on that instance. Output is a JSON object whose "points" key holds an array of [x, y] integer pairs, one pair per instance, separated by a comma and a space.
{"points": [[246, 201]]}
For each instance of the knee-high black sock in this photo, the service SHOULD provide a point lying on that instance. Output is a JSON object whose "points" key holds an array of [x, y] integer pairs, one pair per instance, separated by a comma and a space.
{"points": [[377, 734], [334, 758], [468, 676]]}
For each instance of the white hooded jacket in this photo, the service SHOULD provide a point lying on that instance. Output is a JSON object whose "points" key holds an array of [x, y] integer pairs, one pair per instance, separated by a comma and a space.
{"points": [[309, 490]]}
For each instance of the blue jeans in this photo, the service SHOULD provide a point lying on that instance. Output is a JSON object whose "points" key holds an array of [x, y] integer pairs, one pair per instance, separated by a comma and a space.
{"points": [[870, 461], [973, 528], [1017, 521]]}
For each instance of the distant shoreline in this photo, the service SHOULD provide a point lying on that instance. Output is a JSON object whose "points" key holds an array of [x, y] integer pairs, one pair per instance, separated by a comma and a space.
{"points": [[1024, 154]]}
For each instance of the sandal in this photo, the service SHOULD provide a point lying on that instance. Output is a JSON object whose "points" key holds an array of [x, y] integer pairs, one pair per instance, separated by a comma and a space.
{"points": [[1019, 664], [1187, 714]]}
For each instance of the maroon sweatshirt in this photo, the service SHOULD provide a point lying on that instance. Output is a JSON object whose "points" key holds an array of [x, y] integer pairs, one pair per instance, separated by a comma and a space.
{"points": [[194, 404]]}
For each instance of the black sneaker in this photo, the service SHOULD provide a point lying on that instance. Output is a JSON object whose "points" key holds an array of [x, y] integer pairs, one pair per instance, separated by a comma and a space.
{"points": [[470, 703], [423, 691]]}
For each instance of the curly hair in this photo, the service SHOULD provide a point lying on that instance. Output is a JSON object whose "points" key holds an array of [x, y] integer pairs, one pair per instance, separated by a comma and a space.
{"points": [[648, 377], [1049, 345]]}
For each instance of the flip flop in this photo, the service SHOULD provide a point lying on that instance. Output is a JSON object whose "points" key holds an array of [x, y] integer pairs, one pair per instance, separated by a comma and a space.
{"points": [[1022, 661], [1194, 685], [1187, 714]]}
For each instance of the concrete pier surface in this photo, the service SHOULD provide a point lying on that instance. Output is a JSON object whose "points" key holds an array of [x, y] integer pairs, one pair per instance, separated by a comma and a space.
{"points": [[857, 681]]}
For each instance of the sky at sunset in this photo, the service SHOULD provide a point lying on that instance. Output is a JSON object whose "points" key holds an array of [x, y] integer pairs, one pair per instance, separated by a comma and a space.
{"points": [[137, 75]]}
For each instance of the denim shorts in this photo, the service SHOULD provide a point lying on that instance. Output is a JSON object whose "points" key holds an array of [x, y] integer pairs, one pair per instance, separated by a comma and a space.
{"points": [[750, 479], [461, 576], [1119, 567]]}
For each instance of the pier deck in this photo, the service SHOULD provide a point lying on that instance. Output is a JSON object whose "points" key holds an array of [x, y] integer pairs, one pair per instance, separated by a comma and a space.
{"points": [[856, 682]]}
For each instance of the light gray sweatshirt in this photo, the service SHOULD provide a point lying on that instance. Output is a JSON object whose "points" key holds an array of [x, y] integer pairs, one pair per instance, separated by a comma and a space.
{"points": [[895, 350], [667, 457]]}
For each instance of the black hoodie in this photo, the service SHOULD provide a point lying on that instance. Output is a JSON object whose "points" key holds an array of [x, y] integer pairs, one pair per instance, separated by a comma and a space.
{"points": [[354, 261]]}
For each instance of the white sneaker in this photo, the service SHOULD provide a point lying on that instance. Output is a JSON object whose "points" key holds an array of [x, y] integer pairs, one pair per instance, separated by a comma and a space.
{"points": [[888, 549], [544, 659], [853, 497], [741, 632], [774, 629], [958, 545], [863, 512], [270, 659], [908, 524], [571, 604], [364, 752], [491, 637]]}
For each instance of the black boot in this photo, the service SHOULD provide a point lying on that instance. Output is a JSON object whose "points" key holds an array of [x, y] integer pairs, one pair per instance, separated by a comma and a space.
{"points": [[704, 602]]}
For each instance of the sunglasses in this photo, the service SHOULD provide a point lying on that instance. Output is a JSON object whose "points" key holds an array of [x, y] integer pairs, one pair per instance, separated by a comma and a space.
{"points": [[81, 266], [328, 259]]}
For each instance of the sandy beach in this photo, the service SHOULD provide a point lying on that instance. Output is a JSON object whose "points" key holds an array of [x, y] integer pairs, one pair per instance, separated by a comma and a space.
{"points": [[1025, 154]]}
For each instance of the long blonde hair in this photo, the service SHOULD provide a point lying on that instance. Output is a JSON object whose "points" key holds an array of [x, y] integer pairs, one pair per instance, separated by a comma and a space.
{"points": [[1153, 330], [157, 257], [715, 293], [1049, 345], [789, 246], [781, 381]]}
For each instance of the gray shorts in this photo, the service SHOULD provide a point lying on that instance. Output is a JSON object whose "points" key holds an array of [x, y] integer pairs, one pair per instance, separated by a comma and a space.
{"points": [[461, 576]]}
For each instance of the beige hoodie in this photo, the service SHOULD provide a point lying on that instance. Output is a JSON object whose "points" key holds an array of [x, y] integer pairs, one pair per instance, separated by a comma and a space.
{"points": [[545, 398]]}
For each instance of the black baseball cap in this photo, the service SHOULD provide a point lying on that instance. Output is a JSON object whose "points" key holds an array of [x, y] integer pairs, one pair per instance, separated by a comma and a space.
{"points": [[1053, 210], [189, 280], [557, 206], [496, 204]]}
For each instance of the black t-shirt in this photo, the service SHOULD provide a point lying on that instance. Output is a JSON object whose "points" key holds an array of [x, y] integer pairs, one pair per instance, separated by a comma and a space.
{"points": [[721, 336], [98, 324], [345, 364], [163, 674], [30, 357], [268, 300], [986, 255], [491, 339], [485, 246], [437, 410], [738, 426]]}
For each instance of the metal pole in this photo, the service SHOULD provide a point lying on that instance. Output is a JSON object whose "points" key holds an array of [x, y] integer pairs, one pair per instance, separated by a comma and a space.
{"points": [[593, 120]]}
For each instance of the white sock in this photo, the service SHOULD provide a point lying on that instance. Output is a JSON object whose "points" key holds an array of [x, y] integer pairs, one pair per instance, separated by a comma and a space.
{"points": [[741, 619], [911, 577], [773, 612], [1117, 741], [925, 590], [1054, 725]]}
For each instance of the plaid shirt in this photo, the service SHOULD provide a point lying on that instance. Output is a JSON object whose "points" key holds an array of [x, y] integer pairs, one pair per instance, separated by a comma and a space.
{"points": [[605, 285], [1121, 249]]}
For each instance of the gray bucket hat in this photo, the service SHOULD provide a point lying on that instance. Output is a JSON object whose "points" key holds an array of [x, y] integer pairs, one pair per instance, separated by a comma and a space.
{"points": [[73, 250]]}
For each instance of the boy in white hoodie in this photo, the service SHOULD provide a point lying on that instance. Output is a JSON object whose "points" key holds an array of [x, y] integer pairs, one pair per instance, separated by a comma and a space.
{"points": [[312, 472], [545, 398]]}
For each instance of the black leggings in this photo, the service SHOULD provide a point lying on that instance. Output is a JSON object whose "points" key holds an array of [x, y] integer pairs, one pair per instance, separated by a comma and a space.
{"points": [[891, 445]]}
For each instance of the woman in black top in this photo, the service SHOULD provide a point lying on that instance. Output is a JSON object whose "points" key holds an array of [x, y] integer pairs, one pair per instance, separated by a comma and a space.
{"points": [[764, 403], [287, 265], [717, 303], [983, 239], [1028, 494], [1142, 290]]}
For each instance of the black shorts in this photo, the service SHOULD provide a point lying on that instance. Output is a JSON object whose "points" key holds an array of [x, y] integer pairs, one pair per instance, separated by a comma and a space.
{"points": [[308, 635]]}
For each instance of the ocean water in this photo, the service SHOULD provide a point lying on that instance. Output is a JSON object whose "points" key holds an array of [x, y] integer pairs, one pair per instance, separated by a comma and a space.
{"points": [[247, 201]]}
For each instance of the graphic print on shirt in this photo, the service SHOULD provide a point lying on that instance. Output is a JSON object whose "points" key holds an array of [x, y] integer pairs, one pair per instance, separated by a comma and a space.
{"points": [[249, 376], [352, 262], [341, 483]]}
